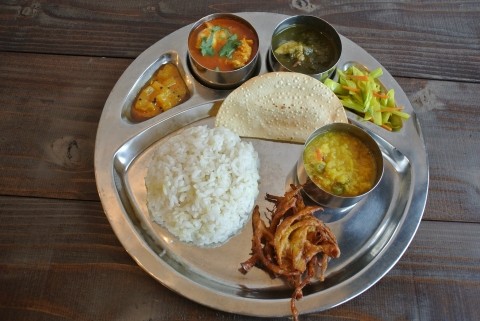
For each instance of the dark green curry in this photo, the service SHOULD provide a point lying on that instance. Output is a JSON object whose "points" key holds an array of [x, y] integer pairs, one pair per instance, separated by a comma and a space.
{"points": [[303, 49]]}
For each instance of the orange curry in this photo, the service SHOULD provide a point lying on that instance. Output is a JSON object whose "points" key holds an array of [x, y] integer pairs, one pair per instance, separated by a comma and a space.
{"points": [[223, 44]]}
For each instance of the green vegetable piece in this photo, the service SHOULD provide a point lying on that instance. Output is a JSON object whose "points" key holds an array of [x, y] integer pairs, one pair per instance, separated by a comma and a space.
{"points": [[396, 122], [391, 98], [320, 167], [349, 103], [376, 114], [385, 118], [401, 114], [338, 188], [335, 87], [376, 73], [367, 99]]}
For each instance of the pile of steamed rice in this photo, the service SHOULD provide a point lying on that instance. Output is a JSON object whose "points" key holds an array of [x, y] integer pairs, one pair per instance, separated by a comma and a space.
{"points": [[202, 184]]}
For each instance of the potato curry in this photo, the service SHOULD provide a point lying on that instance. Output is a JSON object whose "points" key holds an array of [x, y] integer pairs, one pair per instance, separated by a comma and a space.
{"points": [[163, 91]]}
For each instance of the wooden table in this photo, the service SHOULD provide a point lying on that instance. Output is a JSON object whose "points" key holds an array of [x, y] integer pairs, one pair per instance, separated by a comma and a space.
{"points": [[59, 258]]}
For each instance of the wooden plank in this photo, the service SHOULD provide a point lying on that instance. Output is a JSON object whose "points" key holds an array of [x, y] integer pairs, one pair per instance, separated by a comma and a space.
{"points": [[448, 115], [423, 40], [61, 261], [51, 106]]}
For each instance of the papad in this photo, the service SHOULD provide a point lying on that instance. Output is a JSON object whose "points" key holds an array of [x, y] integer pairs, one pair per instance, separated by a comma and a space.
{"points": [[283, 106]]}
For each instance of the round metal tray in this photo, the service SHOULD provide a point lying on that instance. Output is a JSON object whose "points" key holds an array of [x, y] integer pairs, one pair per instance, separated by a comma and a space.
{"points": [[372, 235]]}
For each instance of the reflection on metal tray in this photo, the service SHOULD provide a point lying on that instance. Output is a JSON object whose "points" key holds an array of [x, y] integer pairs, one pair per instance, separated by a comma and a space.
{"points": [[372, 235]]}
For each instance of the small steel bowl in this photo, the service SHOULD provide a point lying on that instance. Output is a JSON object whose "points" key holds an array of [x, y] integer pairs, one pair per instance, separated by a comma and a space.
{"points": [[325, 198], [312, 22], [215, 78]]}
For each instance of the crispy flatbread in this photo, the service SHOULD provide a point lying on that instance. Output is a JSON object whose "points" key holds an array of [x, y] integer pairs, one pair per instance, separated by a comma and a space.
{"points": [[283, 106]]}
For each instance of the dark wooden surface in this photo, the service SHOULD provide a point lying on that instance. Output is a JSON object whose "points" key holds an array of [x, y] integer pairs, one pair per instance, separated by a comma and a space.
{"points": [[59, 258]]}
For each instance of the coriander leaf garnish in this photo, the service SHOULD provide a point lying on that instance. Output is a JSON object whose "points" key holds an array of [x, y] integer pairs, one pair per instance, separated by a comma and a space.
{"points": [[230, 46], [219, 32], [216, 28], [206, 45]]}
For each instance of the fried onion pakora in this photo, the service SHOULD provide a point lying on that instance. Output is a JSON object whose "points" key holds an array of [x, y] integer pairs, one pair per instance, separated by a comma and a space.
{"points": [[295, 246]]}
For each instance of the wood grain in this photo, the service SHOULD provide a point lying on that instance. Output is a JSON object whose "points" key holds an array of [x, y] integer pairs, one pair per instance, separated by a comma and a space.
{"points": [[448, 115], [425, 40], [51, 106]]}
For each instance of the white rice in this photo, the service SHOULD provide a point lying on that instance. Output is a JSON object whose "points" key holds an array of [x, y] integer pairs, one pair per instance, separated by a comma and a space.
{"points": [[202, 184]]}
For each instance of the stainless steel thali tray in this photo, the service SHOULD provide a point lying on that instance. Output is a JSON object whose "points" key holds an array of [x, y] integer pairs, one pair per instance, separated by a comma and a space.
{"points": [[372, 235]]}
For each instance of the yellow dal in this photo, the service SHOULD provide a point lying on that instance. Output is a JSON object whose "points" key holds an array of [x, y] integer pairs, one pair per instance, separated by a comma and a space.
{"points": [[340, 163]]}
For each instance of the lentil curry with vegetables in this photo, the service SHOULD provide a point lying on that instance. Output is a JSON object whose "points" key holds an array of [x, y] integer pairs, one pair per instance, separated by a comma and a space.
{"points": [[340, 163]]}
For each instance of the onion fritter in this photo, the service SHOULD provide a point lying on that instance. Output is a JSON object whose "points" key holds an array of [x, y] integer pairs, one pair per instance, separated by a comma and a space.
{"points": [[295, 246]]}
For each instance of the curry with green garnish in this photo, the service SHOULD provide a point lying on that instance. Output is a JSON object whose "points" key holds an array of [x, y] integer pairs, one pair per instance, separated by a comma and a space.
{"points": [[223, 44]]}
